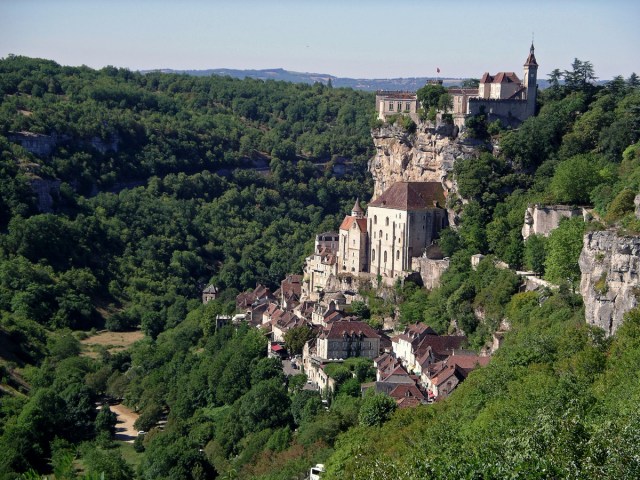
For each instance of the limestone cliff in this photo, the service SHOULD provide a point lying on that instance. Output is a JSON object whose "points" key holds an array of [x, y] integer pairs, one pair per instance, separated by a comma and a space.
{"points": [[427, 155], [610, 285]]}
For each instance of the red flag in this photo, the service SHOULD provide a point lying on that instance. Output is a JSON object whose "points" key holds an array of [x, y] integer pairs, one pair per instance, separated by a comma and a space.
{"points": [[438, 69]]}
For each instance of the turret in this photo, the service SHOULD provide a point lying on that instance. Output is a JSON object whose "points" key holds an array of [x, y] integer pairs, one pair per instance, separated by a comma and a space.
{"points": [[530, 81], [357, 211]]}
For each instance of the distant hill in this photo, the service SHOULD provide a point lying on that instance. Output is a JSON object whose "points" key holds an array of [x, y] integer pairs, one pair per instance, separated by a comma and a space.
{"points": [[368, 84]]}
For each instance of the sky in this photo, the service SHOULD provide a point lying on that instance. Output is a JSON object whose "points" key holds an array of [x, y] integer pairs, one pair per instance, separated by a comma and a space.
{"points": [[345, 38]]}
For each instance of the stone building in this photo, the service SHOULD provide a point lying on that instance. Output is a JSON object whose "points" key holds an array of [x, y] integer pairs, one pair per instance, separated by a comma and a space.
{"points": [[347, 338], [210, 293], [502, 96], [402, 223], [352, 255], [392, 103], [320, 265], [505, 97]]}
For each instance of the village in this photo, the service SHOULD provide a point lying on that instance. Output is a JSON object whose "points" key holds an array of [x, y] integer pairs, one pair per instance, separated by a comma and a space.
{"points": [[394, 241]]}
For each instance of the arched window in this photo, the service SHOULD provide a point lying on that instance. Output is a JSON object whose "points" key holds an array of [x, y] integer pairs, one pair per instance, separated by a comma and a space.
{"points": [[380, 234], [375, 219], [385, 256], [373, 255], [397, 254], [386, 222]]}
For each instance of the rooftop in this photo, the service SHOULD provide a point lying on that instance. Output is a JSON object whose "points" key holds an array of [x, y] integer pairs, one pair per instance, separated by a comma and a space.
{"points": [[411, 196]]}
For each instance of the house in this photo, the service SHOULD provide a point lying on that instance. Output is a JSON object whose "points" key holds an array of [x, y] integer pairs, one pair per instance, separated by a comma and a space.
{"points": [[348, 338], [408, 395], [255, 303], [393, 103], [210, 293], [320, 265], [326, 314], [442, 377], [419, 345], [290, 291]]}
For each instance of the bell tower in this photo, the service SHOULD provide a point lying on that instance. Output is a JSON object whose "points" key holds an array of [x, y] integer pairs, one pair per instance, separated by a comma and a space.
{"points": [[530, 81]]}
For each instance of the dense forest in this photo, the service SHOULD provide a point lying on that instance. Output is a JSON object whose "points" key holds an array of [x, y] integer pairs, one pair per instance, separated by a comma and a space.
{"points": [[164, 187]]}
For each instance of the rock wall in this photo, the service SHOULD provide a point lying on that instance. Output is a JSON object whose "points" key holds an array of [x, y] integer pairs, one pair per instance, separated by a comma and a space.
{"points": [[637, 203], [610, 284], [542, 219], [425, 156], [45, 190], [430, 270]]}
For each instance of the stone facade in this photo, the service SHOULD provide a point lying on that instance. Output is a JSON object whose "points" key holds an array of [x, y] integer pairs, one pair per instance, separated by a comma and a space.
{"points": [[610, 283], [321, 265], [403, 222], [394, 103], [353, 249], [345, 339], [502, 96], [542, 219], [430, 270]]}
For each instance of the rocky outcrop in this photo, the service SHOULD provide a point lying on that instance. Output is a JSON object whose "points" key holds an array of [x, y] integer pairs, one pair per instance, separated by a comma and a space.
{"points": [[610, 285], [637, 203], [43, 145], [427, 155], [38, 144], [45, 191]]}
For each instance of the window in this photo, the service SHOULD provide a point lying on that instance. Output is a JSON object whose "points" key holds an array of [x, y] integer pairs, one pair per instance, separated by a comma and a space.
{"points": [[386, 222], [380, 234], [391, 106], [397, 254], [373, 255], [386, 236], [375, 219], [407, 106], [385, 256], [399, 106]]}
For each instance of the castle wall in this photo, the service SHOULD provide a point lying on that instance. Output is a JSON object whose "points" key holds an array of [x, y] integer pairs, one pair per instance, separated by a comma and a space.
{"points": [[430, 270], [542, 219], [507, 111]]}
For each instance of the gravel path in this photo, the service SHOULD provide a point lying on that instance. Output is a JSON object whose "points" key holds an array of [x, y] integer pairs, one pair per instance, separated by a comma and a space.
{"points": [[126, 418]]}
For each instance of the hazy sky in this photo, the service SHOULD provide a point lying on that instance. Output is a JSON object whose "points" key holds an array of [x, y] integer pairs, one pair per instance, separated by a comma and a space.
{"points": [[347, 38]]}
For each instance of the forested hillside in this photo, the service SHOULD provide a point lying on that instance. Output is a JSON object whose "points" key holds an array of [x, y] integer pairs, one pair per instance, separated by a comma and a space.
{"points": [[168, 182], [159, 195]]}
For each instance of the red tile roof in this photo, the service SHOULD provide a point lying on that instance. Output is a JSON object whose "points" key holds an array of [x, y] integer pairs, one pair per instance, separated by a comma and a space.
{"points": [[341, 327], [348, 222], [411, 196], [500, 77]]}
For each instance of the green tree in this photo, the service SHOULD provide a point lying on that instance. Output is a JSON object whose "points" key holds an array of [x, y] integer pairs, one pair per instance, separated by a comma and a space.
{"points": [[535, 253], [296, 337], [563, 249], [376, 409], [574, 179]]}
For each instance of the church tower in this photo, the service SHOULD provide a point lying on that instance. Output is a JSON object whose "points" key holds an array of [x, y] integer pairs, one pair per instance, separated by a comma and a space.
{"points": [[530, 81]]}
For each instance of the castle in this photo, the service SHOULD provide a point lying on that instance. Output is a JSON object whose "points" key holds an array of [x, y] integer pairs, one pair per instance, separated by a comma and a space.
{"points": [[502, 96]]}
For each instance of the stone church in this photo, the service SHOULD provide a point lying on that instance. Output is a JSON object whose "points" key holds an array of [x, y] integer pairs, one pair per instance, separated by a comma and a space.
{"points": [[400, 225]]}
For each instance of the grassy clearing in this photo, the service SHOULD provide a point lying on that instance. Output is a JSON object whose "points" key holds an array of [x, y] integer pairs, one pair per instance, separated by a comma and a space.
{"points": [[112, 341]]}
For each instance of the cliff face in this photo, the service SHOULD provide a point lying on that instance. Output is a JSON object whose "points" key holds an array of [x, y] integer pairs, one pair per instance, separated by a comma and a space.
{"points": [[610, 284], [425, 156]]}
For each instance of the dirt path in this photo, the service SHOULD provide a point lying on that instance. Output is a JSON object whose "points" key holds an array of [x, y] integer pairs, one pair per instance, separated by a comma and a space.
{"points": [[126, 418]]}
